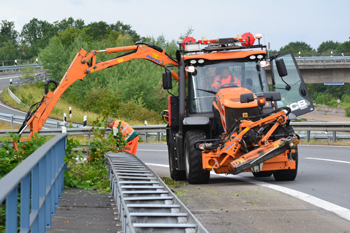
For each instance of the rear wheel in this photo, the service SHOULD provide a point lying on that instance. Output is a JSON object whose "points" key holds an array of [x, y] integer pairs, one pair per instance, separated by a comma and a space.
{"points": [[174, 173], [195, 173], [290, 174], [262, 174]]}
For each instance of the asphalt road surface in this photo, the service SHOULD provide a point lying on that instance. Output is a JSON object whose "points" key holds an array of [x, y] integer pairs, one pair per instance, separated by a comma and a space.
{"points": [[322, 184]]}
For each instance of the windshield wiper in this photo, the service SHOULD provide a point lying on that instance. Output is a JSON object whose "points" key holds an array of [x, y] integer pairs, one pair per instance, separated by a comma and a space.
{"points": [[213, 92]]}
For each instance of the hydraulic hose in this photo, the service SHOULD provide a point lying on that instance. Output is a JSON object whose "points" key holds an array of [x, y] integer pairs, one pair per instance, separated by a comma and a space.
{"points": [[47, 85]]}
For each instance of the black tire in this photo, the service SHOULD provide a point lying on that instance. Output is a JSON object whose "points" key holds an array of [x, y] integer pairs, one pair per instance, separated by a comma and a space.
{"points": [[174, 173], [262, 174], [195, 173], [290, 174]]}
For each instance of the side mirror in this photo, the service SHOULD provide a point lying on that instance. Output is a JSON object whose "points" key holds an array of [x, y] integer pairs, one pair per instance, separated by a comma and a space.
{"points": [[246, 98], [272, 96], [167, 80], [281, 68]]}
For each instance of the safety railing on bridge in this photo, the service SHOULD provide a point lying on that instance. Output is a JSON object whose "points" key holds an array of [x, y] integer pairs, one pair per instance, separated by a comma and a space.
{"points": [[322, 60], [40, 179]]}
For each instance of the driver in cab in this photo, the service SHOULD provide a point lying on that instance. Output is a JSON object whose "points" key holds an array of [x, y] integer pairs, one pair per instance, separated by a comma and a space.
{"points": [[225, 78]]}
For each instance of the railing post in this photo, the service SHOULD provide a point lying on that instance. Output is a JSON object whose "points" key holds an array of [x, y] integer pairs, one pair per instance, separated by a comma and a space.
{"points": [[11, 211], [12, 121], [308, 135], [334, 136], [158, 136]]}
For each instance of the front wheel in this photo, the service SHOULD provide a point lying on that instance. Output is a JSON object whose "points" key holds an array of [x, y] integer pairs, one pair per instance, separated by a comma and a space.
{"points": [[195, 173], [290, 174]]}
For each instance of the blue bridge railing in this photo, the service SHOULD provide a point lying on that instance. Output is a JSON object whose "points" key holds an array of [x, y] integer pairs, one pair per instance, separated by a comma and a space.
{"points": [[40, 181]]}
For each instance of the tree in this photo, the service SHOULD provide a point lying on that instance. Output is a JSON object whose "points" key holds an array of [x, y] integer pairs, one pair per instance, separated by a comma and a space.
{"points": [[344, 47], [297, 47], [126, 29], [65, 23], [8, 51], [98, 30], [36, 34], [327, 46], [7, 31]]}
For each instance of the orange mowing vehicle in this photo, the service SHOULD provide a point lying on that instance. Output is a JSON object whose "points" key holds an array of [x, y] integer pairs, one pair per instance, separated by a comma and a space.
{"points": [[224, 117]]}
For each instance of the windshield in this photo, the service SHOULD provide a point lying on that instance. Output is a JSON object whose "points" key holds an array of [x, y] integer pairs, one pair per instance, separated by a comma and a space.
{"points": [[292, 87], [208, 79]]}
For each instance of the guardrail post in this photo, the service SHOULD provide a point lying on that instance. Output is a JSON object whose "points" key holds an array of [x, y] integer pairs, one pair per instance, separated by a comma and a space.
{"points": [[334, 136], [57, 124], [158, 136], [308, 135], [146, 136], [12, 121]]}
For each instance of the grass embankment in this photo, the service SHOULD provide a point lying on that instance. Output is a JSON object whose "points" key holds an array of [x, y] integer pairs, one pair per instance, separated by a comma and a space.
{"points": [[30, 94]]}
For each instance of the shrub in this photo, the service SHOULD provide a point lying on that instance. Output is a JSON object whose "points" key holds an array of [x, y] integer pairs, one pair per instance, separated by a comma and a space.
{"points": [[133, 111], [27, 72], [347, 111]]}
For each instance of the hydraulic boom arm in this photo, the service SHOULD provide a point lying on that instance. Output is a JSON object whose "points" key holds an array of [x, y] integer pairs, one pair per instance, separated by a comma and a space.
{"points": [[85, 63]]}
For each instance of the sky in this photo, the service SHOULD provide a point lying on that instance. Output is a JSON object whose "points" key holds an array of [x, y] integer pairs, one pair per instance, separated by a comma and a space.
{"points": [[280, 21]]}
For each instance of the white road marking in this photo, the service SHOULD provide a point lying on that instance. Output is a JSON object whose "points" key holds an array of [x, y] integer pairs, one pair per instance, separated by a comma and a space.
{"points": [[7, 77], [5, 106], [329, 160], [158, 165], [338, 210]]}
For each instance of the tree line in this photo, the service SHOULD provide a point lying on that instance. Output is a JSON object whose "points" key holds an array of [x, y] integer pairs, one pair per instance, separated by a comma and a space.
{"points": [[326, 48], [36, 35]]}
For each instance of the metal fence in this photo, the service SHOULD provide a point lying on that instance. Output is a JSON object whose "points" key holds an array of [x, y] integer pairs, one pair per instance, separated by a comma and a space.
{"points": [[40, 179]]}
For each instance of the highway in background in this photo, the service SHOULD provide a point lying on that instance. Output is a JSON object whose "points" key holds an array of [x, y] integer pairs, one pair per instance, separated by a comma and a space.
{"points": [[4, 83]]}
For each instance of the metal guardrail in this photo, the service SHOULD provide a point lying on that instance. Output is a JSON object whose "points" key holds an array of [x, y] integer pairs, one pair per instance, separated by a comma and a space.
{"points": [[144, 202], [19, 67], [40, 179], [37, 78], [14, 119], [158, 131]]}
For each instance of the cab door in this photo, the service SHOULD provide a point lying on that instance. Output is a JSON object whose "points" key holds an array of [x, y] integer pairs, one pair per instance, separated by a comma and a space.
{"points": [[292, 87]]}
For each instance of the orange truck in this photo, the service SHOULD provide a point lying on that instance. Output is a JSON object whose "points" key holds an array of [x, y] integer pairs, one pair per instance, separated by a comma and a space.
{"points": [[225, 118]]}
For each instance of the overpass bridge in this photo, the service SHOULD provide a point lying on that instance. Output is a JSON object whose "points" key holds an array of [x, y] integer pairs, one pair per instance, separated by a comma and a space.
{"points": [[323, 69]]}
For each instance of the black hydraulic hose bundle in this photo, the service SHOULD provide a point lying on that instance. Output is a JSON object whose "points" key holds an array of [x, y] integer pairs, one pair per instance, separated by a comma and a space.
{"points": [[32, 110]]}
